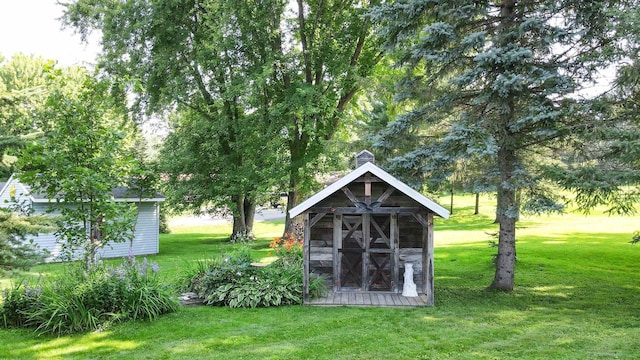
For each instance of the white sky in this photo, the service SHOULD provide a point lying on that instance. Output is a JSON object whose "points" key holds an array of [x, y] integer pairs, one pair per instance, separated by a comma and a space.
{"points": [[32, 27]]}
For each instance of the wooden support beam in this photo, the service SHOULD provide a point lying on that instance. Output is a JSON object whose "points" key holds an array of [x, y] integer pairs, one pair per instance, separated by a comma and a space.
{"points": [[356, 210], [367, 188], [306, 255], [337, 245], [366, 236], [316, 218], [394, 237], [427, 259], [385, 195], [419, 218], [350, 195]]}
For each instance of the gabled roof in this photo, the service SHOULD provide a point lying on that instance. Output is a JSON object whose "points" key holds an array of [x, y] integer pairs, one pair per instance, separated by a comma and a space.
{"points": [[120, 194], [6, 186], [382, 175]]}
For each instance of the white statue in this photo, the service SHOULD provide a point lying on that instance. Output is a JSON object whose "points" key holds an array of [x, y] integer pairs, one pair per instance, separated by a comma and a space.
{"points": [[409, 288]]}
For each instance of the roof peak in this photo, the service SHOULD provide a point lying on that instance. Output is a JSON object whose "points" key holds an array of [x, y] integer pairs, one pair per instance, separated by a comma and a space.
{"points": [[364, 157]]}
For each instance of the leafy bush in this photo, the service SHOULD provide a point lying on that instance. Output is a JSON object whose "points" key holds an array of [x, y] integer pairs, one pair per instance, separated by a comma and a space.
{"points": [[17, 302], [223, 270], [232, 281], [88, 300]]}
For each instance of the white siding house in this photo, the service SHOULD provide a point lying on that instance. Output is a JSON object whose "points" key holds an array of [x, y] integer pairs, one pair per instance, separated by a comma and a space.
{"points": [[146, 237]]}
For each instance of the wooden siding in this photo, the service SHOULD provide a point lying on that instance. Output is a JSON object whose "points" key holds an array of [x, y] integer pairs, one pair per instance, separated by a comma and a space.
{"points": [[321, 248]]}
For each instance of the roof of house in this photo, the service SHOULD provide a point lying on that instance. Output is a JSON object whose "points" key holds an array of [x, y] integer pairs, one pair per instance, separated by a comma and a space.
{"points": [[382, 175], [120, 194]]}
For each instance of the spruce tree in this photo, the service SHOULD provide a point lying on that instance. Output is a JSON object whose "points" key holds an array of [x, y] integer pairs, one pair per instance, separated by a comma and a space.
{"points": [[505, 83]]}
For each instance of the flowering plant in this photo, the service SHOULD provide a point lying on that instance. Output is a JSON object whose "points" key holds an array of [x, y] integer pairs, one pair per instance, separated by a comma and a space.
{"points": [[287, 247]]}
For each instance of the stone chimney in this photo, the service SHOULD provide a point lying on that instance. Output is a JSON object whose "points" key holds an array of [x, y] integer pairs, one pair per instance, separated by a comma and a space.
{"points": [[364, 157]]}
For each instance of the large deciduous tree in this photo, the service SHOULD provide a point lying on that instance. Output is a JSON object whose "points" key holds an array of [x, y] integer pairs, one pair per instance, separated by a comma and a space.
{"points": [[286, 69], [502, 82], [332, 49]]}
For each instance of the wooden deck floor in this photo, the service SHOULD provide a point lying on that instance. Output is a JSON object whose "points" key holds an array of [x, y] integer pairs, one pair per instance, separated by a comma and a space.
{"points": [[368, 299]]}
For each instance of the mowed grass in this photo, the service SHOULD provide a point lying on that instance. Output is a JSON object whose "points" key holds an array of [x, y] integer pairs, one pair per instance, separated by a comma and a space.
{"points": [[577, 297]]}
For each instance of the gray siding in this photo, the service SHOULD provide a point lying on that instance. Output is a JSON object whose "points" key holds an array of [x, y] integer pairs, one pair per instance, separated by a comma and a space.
{"points": [[145, 242]]}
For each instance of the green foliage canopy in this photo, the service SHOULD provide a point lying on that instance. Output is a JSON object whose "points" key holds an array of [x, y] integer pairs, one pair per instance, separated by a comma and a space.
{"points": [[294, 67], [78, 163]]}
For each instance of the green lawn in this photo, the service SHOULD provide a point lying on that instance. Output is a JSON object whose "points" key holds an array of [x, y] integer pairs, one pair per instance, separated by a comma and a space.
{"points": [[577, 297]]}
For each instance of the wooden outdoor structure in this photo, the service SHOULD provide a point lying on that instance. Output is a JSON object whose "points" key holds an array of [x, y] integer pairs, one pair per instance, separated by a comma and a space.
{"points": [[360, 231]]}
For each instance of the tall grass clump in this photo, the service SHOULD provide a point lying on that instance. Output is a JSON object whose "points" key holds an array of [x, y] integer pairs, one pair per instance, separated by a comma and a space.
{"points": [[83, 300], [233, 281]]}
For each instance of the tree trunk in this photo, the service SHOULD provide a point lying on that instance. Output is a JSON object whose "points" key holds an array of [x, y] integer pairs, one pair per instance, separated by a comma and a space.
{"points": [[504, 278], [243, 217], [249, 215], [451, 205], [477, 208], [297, 149], [239, 221]]}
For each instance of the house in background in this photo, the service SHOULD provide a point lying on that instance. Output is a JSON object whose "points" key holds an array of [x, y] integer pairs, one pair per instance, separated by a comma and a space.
{"points": [[146, 237]]}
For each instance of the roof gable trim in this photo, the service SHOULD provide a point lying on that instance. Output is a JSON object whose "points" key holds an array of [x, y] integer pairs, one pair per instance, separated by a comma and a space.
{"points": [[383, 175]]}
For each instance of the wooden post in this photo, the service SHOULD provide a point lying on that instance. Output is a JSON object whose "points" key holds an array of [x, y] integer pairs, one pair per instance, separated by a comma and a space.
{"points": [[366, 237], [367, 188], [307, 255], [394, 242], [427, 259], [337, 245]]}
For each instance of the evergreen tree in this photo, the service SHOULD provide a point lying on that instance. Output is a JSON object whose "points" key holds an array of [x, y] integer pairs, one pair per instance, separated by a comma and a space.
{"points": [[16, 252], [503, 82]]}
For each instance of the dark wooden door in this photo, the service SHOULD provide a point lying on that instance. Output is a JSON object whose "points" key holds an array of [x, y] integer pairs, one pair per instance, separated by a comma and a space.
{"points": [[367, 256], [351, 252], [380, 254]]}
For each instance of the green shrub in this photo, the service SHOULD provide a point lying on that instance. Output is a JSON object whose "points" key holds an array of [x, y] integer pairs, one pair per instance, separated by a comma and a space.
{"points": [[209, 275], [232, 281], [82, 301], [17, 302]]}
